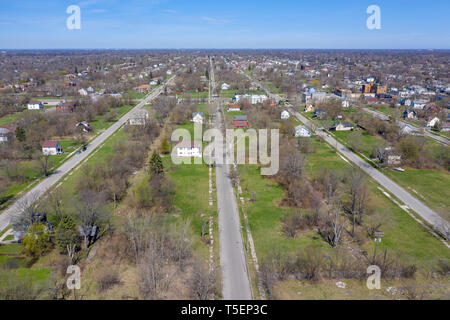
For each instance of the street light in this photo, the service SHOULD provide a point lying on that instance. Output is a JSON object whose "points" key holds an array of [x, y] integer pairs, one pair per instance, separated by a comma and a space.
{"points": [[378, 236]]}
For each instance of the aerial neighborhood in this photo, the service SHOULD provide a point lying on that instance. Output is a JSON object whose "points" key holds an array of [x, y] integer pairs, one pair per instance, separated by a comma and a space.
{"points": [[93, 174]]}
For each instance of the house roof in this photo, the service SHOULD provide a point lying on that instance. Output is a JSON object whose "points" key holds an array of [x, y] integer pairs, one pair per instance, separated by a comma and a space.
{"points": [[198, 114], [50, 144], [301, 127], [189, 144], [345, 124], [241, 118]]}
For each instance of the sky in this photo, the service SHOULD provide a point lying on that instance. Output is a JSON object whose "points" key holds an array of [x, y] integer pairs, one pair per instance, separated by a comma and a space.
{"points": [[219, 24]]}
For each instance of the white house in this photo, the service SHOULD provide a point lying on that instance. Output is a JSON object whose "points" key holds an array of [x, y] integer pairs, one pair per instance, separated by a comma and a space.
{"points": [[139, 118], [285, 115], [51, 148], [419, 104], [198, 117], [259, 98], [153, 83], [84, 126], [302, 131], [225, 86], [406, 129], [431, 123], [4, 134], [342, 126], [410, 114], [345, 104], [83, 92], [190, 149], [253, 99], [234, 108], [90, 90], [35, 105]]}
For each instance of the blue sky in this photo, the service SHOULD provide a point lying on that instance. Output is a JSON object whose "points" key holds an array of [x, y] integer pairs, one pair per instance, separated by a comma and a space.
{"points": [[37, 24]]}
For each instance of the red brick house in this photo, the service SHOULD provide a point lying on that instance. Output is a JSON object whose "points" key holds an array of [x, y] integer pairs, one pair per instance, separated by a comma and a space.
{"points": [[241, 122], [68, 106]]}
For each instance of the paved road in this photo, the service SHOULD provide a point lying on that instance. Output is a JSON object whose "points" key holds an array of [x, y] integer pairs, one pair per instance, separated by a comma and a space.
{"points": [[421, 209], [235, 280], [50, 181], [382, 116]]}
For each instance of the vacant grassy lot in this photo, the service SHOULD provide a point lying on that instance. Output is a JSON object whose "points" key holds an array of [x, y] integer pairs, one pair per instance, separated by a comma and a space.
{"points": [[404, 237], [368, 142], [134, 95], [100, 123], [428, 186]]}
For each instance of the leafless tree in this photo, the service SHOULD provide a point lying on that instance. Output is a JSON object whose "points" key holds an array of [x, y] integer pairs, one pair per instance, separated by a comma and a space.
{"points": [[91, 214], [30, 211], [203, 284]]}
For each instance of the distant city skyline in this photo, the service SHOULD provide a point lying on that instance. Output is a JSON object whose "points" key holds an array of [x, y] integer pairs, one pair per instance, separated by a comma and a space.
{"points": [[176, 24]]}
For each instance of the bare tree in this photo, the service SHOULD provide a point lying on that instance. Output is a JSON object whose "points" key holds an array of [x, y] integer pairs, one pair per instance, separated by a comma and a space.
{"points": [[359, 198], [29, 212], [91, 214], [203, 284], [332, 228]]}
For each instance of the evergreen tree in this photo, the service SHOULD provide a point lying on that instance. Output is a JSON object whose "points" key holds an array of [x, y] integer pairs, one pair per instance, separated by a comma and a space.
{"points": [[20, 134], [67, 237], [156, 165], [165, 146]]}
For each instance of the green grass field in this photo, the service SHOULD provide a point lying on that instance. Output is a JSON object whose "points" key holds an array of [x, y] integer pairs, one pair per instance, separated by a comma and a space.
{"points": [[134, 95], [428, 186], [368, 142], [404, 237]]}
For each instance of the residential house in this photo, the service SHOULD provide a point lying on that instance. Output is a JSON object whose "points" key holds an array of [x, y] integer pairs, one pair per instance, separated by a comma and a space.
{"points": [[145, 88], [240, 121], [5, 133], [139, 118], [35, 105], [309, 107], [406, 129], [285, 115], [372, 88], [390, 157], [431, 122], [410, 114], [345, 104], [320, 114], [234, 108], [189, 149], [225, 86], [418, 104], [446, 127], [342, 126], [82, 92], [302, 132], [253, 99], [67, 106], [343, 93], [84, 126], [51, 148], [198, 117]]}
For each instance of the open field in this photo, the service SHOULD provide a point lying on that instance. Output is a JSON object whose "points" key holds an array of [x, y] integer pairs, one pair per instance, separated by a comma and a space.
{"points": [[404, 237], [429, 186]]}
